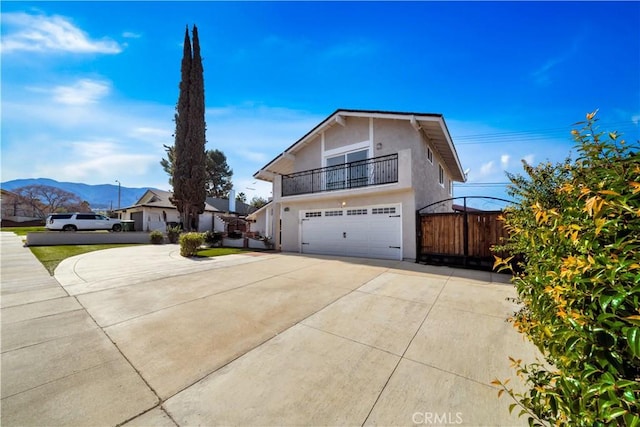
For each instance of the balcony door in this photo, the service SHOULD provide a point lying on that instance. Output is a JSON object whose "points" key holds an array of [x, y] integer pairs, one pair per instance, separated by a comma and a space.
{"points": [[348, 170]]}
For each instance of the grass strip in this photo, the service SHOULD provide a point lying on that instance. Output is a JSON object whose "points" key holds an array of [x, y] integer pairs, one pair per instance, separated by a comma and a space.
{"points": [[51, 256], [213, 252], [22, 231]]}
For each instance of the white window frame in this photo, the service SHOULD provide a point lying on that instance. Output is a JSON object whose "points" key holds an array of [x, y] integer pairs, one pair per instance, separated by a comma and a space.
{"points": [[429, 155], [346, 150], [440, 175]]}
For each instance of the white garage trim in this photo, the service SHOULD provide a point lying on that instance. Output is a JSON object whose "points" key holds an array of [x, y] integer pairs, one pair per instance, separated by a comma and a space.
{"points": [[373, 231]]}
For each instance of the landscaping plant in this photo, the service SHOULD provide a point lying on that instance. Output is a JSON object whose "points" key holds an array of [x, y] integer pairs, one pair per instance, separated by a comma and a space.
{"points": [[190, 243], [576, 229], [173, 233], [156, 237], [213, 238]]}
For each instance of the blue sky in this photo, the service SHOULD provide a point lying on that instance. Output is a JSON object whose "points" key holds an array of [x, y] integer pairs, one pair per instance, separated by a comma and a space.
{"points": [[89, 88]]}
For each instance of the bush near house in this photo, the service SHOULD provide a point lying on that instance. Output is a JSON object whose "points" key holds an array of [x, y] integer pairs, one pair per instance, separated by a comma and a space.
{"points": [[173, 233], [156, 237], [213, 238], [190, 243], [577, 225]]}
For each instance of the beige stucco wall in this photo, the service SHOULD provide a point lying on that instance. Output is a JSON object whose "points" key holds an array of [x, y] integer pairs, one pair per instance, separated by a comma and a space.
{"points": [[356, 130], [309, 156], [394, 135]]}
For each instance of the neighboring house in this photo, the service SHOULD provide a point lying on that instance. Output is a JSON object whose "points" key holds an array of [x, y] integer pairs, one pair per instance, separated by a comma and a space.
{"points": [[352, 185], [154, 211], [261, 219], [232, 219]]}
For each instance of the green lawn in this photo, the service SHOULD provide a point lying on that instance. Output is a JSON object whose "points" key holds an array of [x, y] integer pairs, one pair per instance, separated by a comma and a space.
{"points": [[51, 256], [22, 231], [211, 252]]}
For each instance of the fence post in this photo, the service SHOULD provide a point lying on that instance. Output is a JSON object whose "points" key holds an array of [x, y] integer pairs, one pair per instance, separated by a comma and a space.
{"points": [[465, 228], [418, 236]]}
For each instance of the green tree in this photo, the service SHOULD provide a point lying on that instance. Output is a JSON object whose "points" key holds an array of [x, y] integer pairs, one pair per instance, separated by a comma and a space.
{"points": [[218, 175], [189, 161], [241, 197], [167, 164], [258, 202], [577, 226]]}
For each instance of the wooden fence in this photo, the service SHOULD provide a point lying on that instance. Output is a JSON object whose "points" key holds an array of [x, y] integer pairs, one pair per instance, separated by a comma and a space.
{"points": [[459, 238]]}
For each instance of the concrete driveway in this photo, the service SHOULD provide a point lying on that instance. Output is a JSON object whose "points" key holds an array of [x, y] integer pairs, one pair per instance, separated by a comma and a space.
{"points": [[142, 336]]}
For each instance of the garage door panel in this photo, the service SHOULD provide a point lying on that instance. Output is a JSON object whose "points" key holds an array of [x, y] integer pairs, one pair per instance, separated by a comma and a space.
{"points": [[354, 232]]}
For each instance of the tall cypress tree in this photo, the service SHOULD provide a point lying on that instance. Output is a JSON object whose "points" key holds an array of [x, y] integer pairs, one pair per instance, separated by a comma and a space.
{"points": [[189, 168]]}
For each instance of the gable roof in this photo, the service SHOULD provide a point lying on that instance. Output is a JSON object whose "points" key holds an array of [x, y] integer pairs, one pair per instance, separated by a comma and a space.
{"points": [[431, 127], [256, 212], [161, 199]]}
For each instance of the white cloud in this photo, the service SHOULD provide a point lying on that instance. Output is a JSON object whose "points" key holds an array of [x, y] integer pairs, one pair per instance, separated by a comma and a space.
{"points": [[253, 156], [41, 33], [82, 92], [131, 35], [504, 161], [89, 159], [487, 168], [542, 75], [150, 134]]}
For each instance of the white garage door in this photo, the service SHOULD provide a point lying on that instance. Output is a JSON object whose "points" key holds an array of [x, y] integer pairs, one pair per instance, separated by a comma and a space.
{"points": [[370, 232]]}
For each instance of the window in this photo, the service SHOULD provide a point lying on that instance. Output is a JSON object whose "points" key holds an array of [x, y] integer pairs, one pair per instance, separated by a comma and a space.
{"points": [[441, 175], [333, 213], [356, 211], [380, 211], [450, 187], [86, 216], [339, 176], [429, 155], [312, 214]]}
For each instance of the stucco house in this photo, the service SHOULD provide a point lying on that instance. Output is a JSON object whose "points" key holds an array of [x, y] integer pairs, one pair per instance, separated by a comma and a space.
{"points": [[154, 211], [351, 186]]}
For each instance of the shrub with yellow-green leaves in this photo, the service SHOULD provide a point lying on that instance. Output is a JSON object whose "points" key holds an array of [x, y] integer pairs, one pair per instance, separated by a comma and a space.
{"points": [[576, 230], [190, 243]]}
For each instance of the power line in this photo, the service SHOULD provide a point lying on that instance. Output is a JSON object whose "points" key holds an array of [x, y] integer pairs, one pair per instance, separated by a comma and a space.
{"points": [[535, 135]]}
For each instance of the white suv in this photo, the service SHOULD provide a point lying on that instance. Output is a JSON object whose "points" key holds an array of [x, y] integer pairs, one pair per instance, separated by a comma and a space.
{"points": [[82, 221]]}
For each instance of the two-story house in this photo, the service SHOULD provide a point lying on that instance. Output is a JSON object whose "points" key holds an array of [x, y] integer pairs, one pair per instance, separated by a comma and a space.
{"points": [[351, 186]]}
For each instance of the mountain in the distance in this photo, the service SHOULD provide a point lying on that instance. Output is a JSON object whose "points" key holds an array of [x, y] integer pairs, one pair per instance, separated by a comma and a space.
{"points": [[103, 196]]}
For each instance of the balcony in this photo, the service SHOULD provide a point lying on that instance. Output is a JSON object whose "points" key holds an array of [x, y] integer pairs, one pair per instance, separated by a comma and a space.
{"points": [[363, 173]]}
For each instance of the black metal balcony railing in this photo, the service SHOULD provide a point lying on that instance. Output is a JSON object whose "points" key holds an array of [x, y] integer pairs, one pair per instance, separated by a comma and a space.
{"points": [[363, 173]]}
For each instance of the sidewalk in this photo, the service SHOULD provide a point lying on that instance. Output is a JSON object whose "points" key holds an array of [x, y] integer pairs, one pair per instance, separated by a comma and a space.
{"points": [[58, 366]]}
